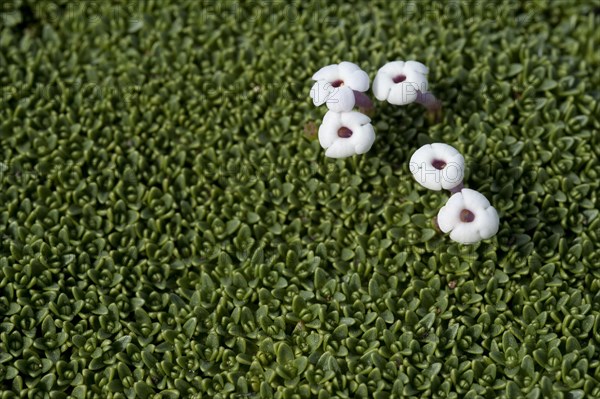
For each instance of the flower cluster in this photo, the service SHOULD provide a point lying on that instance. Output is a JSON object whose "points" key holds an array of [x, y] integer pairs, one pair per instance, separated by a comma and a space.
{"points": [[343, 132], [342, 87], [468, 215]]}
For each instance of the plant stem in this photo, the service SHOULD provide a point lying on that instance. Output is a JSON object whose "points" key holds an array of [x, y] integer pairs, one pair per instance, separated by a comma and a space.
{"points": [[362, 100], [429, 101], [433, 105], [457, 189]]}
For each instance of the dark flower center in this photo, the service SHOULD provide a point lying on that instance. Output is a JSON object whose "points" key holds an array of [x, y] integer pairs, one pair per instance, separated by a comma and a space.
{"points": [[344, 132], [400, 78], [466, 216], [337, 83], [438, 164]]}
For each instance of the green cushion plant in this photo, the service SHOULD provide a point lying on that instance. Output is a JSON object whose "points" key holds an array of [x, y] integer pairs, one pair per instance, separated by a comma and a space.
{"points": [[171, 228]]}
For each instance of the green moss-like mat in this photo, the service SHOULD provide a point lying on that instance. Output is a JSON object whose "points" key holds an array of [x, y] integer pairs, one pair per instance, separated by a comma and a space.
{"points": [[171, 227]]}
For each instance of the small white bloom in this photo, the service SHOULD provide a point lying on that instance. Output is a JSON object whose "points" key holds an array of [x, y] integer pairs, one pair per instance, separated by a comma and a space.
{"points": [[400, 82], [438, 166], [346, 133], [335, 85], [469, 217]]}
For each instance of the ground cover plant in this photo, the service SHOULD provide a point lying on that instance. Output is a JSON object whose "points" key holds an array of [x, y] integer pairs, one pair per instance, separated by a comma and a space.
{"points": [[171, 228]]}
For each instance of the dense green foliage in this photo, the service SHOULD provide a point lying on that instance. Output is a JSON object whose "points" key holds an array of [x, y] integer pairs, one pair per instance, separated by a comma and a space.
{"points": [[171, 228]]}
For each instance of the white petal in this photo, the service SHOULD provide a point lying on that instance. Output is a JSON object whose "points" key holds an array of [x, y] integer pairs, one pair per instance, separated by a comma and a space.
{"points": [[341, 100], [418, 81], [402, 93], [354, 119], [363, 138], [357, 80], [329, 73], [393, 68], [320, 91], [333, 118], [417, 67], [444, 151], [346, 69], [431, 178], [382, 84], [490, 223], [422, 169], [474, 200], [416, 74], [465, 233], [328, 131], [419, 158], [454, 172], [449, 215], [341, 148]]}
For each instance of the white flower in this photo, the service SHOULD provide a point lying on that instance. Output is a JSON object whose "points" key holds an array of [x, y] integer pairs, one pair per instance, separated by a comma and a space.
{"points": [[438, 166], [346, 133], [400, 82], [335, 85], [469, 217]]}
